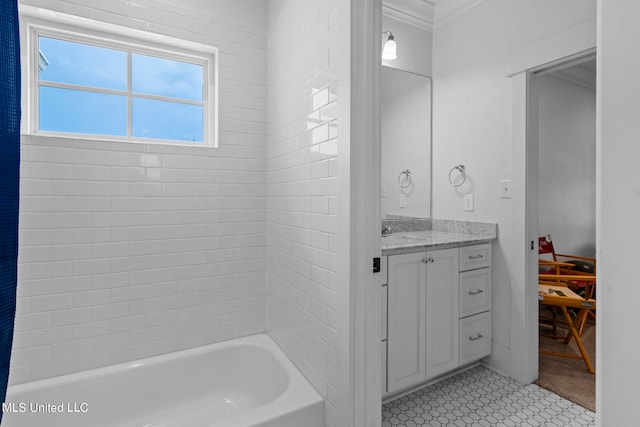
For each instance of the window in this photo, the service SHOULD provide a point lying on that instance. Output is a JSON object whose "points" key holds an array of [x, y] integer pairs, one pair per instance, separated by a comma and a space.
{"points": [[108, 85]]}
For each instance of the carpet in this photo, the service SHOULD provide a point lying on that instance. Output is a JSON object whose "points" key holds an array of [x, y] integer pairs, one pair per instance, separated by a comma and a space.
{"points": [[567, 377]]}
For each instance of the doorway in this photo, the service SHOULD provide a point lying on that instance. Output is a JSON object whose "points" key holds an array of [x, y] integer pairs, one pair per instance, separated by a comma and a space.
{"points": [[562, 155]]}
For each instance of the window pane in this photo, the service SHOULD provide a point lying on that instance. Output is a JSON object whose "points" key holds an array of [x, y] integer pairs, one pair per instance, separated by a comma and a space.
{"points": [[82, 64], [164, 77], [66, 110], [166, 120]]}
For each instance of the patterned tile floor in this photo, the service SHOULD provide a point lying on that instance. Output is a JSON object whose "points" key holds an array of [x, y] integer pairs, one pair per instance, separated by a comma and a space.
{"points": [[482, 397]]}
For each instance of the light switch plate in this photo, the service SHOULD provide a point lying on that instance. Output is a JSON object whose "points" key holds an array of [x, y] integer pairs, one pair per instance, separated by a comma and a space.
{"points": [[403, 201], [505, 188], [468, 202]]}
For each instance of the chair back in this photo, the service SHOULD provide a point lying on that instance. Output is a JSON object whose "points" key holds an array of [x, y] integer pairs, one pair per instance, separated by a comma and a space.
{"points": [[545, 246]]}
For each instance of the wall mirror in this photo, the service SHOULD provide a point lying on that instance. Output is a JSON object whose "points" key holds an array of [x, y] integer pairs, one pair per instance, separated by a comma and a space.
{"points": [[406, 143]]}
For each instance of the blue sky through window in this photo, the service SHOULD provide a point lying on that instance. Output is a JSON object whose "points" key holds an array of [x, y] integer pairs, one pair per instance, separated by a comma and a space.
{"points": [[85, 65], [77, 111], [166, 120], [158, 76], [85, 108]]}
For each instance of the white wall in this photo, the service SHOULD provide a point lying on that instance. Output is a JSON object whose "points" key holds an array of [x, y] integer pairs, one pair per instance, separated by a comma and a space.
{"points": [[618, 204], [131, 250], [567, 166], [249, 14], [308, 52], [473, 53]]}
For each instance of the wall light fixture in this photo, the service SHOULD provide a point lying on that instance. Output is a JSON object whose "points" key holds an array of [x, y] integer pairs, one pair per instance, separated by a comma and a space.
{"points": [[389, 50]]}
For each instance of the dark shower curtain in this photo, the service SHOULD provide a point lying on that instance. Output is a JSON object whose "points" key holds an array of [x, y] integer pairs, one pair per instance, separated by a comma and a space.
{"points": [[9, 179]]}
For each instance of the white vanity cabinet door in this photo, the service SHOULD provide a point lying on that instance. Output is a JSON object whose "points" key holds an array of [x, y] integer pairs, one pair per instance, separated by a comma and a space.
{"points": [[383, 358], [442, 318], [406, 321], [384, 304]]}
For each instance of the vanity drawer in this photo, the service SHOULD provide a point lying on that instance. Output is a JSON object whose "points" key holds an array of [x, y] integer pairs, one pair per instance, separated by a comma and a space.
{"points": [[475, 337], [475, 291], [472, 257]]}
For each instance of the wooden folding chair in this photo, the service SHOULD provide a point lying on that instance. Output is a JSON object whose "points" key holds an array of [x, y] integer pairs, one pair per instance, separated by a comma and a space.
{"points": [[547, 267], [575, 264], [567, 264], [552, 294]]}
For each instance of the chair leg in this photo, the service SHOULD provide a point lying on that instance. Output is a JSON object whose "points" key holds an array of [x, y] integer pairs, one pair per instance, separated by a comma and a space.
{"points": [[573, 333], [576, 322], [584, 320]]}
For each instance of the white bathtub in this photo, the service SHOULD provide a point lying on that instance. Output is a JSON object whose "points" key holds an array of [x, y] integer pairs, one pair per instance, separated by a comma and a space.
{"points": [[243, 382]]}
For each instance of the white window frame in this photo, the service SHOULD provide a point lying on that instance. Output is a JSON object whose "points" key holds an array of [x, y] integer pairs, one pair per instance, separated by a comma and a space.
{"points": [[37, 22]]}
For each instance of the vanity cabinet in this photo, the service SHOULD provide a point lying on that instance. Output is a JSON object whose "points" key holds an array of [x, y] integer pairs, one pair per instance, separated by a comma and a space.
{"points": [[475, 303], [437, 313]]}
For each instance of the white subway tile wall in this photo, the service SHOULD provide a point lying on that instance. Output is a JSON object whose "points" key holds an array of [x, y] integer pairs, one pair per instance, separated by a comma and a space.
{"points": [[132, 250], [302, 190]]}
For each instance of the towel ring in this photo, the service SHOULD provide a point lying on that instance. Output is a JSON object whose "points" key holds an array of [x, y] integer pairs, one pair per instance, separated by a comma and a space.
{"points": [[461, 171], [406, 181]]}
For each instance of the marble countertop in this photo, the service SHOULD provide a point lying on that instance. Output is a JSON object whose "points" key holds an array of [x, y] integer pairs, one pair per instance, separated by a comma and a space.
{"points": [[418, 241]]}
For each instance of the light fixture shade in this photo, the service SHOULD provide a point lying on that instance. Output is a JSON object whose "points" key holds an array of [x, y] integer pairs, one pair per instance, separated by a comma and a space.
{"points": [[389, 50]]}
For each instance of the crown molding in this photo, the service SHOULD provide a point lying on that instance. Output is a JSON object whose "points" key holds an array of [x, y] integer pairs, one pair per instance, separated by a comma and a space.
{"points": [[427, 14], [447, 10], [418, 13]]}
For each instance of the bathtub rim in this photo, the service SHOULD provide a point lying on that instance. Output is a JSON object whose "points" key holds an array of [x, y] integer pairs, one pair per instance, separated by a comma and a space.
{"points": [[297, 396]]}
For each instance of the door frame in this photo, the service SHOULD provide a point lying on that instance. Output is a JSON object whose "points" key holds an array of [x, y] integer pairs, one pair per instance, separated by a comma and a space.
{"points": [[360, 347], [524, 210]]}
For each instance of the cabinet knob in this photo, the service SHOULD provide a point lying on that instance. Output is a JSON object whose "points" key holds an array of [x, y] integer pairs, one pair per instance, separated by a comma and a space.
{"points": [[428, 260]]}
